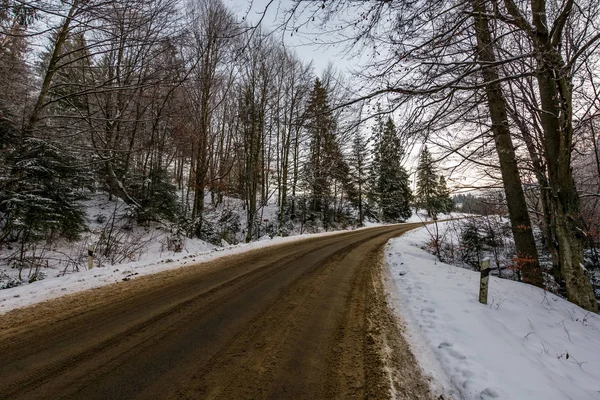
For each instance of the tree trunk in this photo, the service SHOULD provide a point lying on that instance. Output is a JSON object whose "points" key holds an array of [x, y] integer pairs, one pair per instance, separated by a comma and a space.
{"points": [[284, 178], [117, 188], [527, 257], [554, 85], [558, 133], [539, 167]]}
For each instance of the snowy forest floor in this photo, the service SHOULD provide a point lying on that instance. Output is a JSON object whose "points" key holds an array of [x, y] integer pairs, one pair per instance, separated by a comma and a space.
{"points": [[525, 344]]}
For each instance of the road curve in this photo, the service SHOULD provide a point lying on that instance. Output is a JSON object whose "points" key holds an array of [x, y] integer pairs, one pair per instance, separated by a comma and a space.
{"points": [[304, 320]]}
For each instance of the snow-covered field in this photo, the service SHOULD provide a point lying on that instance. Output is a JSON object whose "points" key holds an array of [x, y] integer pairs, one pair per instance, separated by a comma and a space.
{"points": [[525, 344]]}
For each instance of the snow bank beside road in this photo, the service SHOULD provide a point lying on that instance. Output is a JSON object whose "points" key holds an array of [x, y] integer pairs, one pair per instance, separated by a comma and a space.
{"points": [[525, 344]]}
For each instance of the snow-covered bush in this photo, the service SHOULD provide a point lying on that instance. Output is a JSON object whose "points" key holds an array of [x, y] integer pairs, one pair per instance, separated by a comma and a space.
{"points": [[8, 281]]}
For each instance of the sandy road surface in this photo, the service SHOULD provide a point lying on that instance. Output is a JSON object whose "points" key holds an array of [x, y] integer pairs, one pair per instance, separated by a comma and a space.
{"points": [[305, 320]]}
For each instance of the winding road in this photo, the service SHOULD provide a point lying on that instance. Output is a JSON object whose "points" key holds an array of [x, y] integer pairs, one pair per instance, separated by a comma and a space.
{"points": [[302, 320]]}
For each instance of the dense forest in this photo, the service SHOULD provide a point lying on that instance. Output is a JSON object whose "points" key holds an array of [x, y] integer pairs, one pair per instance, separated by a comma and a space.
{"points": [[171, 107]]}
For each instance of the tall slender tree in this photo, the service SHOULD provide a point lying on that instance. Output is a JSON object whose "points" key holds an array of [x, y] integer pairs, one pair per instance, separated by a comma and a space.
{"points": [[427, 184], [358, 164], [321, 127], [393, 183]]}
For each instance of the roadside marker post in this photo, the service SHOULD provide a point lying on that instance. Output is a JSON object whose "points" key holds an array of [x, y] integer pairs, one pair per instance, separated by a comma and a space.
{"points": [[484, 280], [90, 256]]}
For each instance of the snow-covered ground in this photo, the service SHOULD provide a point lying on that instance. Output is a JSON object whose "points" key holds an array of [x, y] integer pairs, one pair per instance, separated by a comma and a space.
{"points": [[525, 344], [422, 216]]}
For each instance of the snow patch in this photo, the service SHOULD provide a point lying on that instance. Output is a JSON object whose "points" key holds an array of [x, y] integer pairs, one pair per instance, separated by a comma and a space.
{"points": [[525, 344]]}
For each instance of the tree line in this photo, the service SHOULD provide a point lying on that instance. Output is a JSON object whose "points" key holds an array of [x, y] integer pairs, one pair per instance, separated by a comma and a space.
{"points": [[169, 106], [508, 86]]}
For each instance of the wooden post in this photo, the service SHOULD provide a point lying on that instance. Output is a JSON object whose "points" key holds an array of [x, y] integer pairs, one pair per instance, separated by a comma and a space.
{"points": [[483, 281], [90, 256]]}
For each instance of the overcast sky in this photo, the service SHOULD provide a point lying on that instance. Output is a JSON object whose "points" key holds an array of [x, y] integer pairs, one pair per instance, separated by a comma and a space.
{"points": [[302, 43]]}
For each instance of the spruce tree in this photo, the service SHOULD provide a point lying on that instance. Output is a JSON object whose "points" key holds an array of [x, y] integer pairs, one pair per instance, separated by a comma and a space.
{"points": [[38, 198], [324, 151], [359, 173], [393, 185], [373, 209], [432, 192], [446, 204]]}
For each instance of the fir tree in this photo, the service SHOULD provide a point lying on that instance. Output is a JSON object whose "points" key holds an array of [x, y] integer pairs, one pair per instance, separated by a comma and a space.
{"points": [[446, 204], [359, 173], [471, 244], [374, 192], [324, 151], [432, 192], [389, 191], [393, 186], [38, 198]]}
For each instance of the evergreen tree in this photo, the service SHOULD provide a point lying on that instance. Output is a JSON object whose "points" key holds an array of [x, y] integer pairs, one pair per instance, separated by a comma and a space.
{"points": [[8, 130], [158, 197], [393, 186], [359, 173], [324, 151], [446, 204], [471, 244], [432, 192], [374, 193], [38, 198]]}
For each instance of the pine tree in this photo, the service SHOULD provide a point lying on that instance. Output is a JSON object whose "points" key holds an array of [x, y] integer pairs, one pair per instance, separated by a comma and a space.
{"points": [[39, 198], [324, 151], [432, 192], [359, 172], [393, 186]]}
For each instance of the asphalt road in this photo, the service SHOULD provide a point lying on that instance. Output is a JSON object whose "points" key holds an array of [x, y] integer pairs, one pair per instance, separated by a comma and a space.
{"points": [[304, 320]]}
